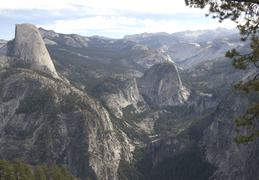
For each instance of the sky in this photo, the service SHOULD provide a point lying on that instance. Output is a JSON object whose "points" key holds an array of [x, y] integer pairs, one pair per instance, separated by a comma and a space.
{"points": [[109, 18]]}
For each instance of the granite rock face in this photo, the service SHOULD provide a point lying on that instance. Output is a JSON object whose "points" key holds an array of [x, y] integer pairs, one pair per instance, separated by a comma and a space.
{"points": [[162, 85], [45, 121], [234, 161], [151, 56], [3, 48], [119, 92], [29, 46]]}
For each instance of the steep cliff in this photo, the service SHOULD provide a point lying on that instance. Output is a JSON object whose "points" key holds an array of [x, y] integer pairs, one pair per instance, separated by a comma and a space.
{"points": [[118, 92], [30, 48], [3, 47], [234, 161]]}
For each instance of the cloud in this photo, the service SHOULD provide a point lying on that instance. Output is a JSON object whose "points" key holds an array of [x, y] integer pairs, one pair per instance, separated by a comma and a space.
{"points": [[34, 4], [113, 18], [101, 6], [143, 6], [129, 25]]}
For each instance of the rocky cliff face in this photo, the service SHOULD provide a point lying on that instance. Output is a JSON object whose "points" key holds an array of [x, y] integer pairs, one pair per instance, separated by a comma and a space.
{"points": [[119, 92], [47, 121], [3, 48], [29, 46], [153, 57], [162, 85], [234, 161]]}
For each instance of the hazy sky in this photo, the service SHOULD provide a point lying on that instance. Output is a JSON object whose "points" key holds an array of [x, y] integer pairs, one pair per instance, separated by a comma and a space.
{"points": [[111, 18]]}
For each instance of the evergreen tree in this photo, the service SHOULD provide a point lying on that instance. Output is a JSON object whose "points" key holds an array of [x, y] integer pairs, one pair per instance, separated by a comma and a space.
{"points": [[28, 171], [45, 170], [56, 173], [39, 173], [245, 13], [6, 170], [22, 171], [67, 175]]}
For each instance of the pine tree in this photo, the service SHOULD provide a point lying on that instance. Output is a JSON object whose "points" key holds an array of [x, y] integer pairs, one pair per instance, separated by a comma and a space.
{"points": [[45, 170], [28, 172], [56, 173], [22, 171], [6, 170], [66, 173], [39, 173]]}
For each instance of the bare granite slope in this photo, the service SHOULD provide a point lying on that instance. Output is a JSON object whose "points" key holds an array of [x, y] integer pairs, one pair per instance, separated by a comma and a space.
{"points": [[162, 85], [28, 45]]}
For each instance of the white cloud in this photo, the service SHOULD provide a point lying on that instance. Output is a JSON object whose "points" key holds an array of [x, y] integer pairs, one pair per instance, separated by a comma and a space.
{"points": [[88, 17], [82, 24], [127, 25], [35, 4], [101, 6], [143, 6]]}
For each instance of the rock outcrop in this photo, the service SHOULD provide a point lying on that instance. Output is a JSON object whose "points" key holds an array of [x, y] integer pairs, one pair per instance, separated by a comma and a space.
{"points": [[162, 85], [29, 47], [151, 57], [119, 92], [2, 48]]}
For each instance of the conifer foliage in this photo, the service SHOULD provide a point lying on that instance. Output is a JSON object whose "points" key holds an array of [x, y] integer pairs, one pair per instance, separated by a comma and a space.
{"points": [[22, 171]]}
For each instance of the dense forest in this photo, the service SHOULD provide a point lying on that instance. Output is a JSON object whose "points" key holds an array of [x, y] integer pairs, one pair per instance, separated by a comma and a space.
{"points": [[22, 171]]}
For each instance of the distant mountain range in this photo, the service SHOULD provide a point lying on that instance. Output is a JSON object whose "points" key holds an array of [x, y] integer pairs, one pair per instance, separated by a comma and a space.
{"points": [[189, 48], [187, 36]]}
